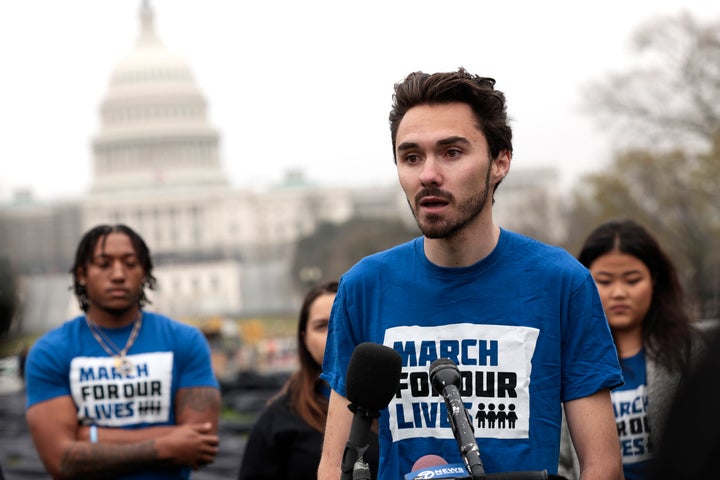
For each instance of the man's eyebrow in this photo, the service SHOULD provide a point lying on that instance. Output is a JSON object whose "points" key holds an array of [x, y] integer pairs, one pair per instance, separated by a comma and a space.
{"points": [[407, 146], [451, 140], [443, 142]]}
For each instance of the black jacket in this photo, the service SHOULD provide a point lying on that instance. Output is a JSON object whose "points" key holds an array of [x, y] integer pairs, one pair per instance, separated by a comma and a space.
{"points": [[282, 446]]}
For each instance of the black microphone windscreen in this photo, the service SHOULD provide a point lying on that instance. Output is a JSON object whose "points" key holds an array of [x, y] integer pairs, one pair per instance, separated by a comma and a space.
{"points": [[373, 375], [443, 372]]}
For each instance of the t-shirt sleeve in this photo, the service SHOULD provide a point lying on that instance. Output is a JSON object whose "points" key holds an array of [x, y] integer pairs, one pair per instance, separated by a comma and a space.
{"points": [[339, 345], [196, 370], [45, 375], [590, 361]]}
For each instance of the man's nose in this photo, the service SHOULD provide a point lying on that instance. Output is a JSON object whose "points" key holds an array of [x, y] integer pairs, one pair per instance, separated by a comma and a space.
{"points": [[431, 173]]}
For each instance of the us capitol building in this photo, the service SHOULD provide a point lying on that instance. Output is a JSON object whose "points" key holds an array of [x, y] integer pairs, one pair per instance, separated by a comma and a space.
{"points": [[217, 250]]}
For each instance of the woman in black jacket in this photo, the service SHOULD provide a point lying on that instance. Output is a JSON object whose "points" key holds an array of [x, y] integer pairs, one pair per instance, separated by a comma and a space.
{"points": [[286, 440]]}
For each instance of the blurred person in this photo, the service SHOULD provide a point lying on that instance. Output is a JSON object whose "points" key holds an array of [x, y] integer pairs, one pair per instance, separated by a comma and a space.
{"points": [[690, 445], [8, 297], [655, 340], [120, 391], [286, 440], [7, 310], [522, 319]]}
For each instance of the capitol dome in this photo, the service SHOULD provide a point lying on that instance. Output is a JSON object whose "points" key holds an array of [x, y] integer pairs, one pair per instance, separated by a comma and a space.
{"points": [[154, 129]]}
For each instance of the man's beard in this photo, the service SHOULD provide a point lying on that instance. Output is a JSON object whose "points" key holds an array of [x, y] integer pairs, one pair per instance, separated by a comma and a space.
{"points": [[439, 226]]}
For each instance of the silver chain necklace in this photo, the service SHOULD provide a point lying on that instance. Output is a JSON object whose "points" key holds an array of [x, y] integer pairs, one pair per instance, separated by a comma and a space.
{"points": [[122, 364]]}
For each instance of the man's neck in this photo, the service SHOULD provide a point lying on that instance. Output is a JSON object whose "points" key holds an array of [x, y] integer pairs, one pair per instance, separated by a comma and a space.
{"points": [[112, 318], [463, 249]]}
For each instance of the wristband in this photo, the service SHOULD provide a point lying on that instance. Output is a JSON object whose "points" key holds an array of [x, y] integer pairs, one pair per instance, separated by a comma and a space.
{"points": [[93, 434]]}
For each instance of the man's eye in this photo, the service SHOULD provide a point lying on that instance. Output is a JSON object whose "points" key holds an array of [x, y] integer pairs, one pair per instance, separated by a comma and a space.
{"points": [[453, 153], [412, 158]]}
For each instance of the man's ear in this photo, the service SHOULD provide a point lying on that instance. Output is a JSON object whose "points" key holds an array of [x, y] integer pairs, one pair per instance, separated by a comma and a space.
{"points": [[501, 165], [81, 275]]}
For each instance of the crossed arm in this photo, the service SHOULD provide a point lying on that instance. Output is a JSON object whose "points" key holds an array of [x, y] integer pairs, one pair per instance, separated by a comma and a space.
{"points": [[66, 451]]}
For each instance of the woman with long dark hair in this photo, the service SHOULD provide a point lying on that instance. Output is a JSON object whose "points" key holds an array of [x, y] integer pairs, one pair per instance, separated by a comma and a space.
{"points": [[286, 440], [644, 304]]}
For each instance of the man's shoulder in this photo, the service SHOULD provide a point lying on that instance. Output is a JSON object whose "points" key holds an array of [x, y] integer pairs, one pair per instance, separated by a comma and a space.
{"points": [[534, 250], [386, 260], [393, 254], [56, 345], [519, 240], [64, 331]]}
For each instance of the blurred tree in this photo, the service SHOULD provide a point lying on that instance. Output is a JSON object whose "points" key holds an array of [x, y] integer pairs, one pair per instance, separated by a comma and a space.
{"points": [[670, 97], [333, 248], [665, 111]]}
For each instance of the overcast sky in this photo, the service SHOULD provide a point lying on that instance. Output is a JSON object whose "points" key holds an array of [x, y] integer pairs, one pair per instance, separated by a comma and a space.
{"points": [[308, 83]]}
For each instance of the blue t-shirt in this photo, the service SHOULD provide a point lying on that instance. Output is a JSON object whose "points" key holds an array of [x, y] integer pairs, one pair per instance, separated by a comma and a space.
{"points": [[166, 356], [630, 403], [525, 326]]}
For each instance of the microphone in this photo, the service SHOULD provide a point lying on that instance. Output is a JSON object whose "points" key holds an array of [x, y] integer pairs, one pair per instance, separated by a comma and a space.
{"points": [[372, 378], [445, 379]]}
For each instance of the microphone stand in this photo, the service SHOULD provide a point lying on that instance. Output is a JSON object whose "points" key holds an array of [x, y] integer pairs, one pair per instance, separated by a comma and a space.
{"points": [[354, 466], [445, 379]]}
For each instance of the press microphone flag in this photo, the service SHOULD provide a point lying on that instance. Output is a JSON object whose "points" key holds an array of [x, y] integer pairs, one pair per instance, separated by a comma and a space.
{"points": [[434, 466], [428, 461], [372, 379]]}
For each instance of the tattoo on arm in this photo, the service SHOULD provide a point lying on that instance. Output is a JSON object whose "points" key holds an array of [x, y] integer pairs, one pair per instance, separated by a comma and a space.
{"points": [[198, 399], [84, 460]]}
